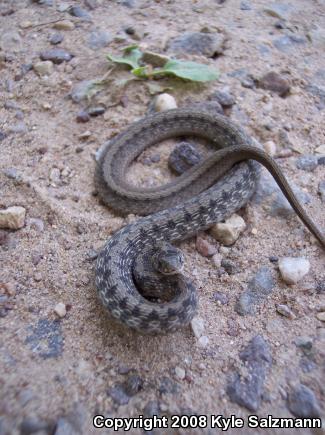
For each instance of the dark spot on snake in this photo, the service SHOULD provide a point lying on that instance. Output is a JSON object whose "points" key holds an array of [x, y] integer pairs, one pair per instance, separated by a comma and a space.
{"points": [[155, 229], [172, 312], [225, 195], [123, 303], [187, 216], [187, 302], [212, 203], [171, 224], [153, 316], [112, 291], [136, 311]]}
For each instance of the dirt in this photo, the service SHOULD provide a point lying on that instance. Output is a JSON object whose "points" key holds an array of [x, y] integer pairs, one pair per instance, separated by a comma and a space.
{"points": [[51, 365]]}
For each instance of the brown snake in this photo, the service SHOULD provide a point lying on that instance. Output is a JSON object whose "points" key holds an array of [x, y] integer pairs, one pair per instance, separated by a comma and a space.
{"points": [[207, 193]]}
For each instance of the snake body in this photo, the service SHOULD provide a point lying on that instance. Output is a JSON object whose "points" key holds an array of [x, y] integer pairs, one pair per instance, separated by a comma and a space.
{"points": [[207, 193]]}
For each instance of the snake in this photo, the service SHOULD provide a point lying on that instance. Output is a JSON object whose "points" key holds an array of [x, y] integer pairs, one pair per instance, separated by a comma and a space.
{"points": [[207, 193]]}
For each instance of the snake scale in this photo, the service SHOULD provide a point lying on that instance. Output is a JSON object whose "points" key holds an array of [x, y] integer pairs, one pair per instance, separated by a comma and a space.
{"points": [[205, 194]]}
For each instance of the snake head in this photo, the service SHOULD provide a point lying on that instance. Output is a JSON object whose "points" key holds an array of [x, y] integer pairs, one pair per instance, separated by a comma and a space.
{"points": [[168, 260]]}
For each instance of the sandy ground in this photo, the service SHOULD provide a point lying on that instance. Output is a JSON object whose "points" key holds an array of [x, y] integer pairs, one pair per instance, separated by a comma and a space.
{"points": [[51, 366]]}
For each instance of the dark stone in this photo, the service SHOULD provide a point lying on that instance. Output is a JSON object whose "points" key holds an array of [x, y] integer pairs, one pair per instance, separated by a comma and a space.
{"points": [[230, 266], [2, 135], [183, 157], [302, 402], [77, 11], [272, 81], [133, 385], [258, 288], [91, 255], [56, 38], [307, 162], [321, 160], [151, 409], [122, 393], [128, 3], [207, 44], [220, 297], [319, 93], [257, 359], [167, 386], [56, 55], [46, 338], [320, 287], [130, 30], [248, 81], [31, 425], [82, 116], [273, 259], [96, 111]]}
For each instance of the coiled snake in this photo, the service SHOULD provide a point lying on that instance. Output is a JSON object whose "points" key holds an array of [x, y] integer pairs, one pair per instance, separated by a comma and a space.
{"points": [[207, 193]]}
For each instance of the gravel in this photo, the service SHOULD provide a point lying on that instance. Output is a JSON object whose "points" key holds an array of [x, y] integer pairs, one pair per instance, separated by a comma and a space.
{"points": [[302, 402]]}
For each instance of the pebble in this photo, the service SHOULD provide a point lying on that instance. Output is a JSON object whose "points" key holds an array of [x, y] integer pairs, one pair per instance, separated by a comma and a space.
{"points": [[83, 116], [207, 44], [302, 402], [56, 55], [307, 162], [60, 309], [321, 316], [228, 232], [248, 81], [220, 298], [278, 10], [258, 288], [274, 82], [96, 111], [167, 386], [321, 190], [19, 128], [9, 288], [270, 148], [205, 248], [245, 5], [164, 102], [12, 218], [203, 341], [99, 39], [224, 97], [180, 373], [287, 43], [34, 426], [305, 344], [292, 270], [248, 392], [320, 287], [122, 393], [320, 149], [10, 41], [77, 11], [197, 325], [45, 338], [230, 266], [183, 157], [56, 38], [43, 68], [64, 25], [285, 311], [2, 135], [216, 260]]}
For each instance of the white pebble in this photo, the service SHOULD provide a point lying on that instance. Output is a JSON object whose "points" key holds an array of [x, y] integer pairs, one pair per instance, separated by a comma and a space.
{"points": [[270, 148], [321, 316], [203, 341], [165, 102], [320, 149], [197, 324], [229, 231], [180, 373], [292, 269], [43, 68], [60, 309], [12, 218], [216, 260], [285, 311]]}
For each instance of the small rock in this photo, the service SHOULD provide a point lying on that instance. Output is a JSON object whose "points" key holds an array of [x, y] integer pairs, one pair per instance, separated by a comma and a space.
{"points": [[56, 38], [77, 11], [270, 148], [320, 287], [99, 39], [230, 266], [34, 426], [19, 128], [228, 232], [82, 116], [207, 44], [216, 260], [220, 298], [12, 218], [9, 288], [259, 287], [225, 98], [155, 59], [320, 149], [205, 248], [272, 81], [203, 341], [85, 135], [122, 393], [2, 135], [46, 339], [292, 270], [64, 25], [197, 325], [183, 157], [180, 373], [278, 10], [303, 403], [287, 43], [60, 309], [91, 4], [305, 344], [44, 68], [164, 102], [96, 111], [321, 316], [56, 55], [285, 311], [245, 5], [307, 163], [211, 107]]}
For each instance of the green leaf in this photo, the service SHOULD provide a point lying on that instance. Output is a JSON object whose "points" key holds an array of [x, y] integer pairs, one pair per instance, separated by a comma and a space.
{"points": [[141, 71], [188, 70], [131, 57]]}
